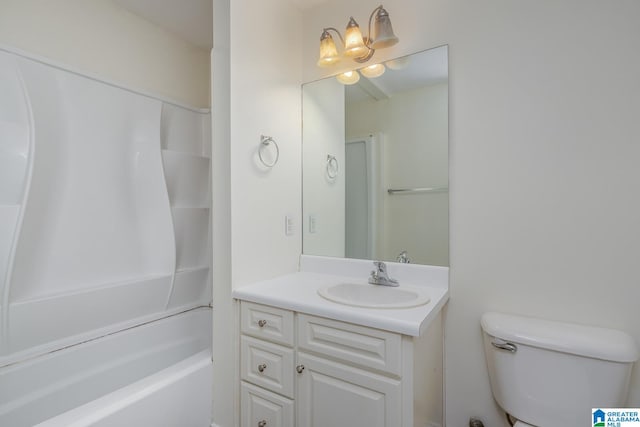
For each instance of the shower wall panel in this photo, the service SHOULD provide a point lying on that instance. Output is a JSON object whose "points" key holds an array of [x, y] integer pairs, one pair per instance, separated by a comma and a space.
{"points": [[104, 207], [15, 158]]}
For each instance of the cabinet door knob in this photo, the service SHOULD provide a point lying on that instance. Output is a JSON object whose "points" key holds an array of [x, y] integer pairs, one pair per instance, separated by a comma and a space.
{"points": [[262, 423], [262, 323], [300, 368], [262, 367]]}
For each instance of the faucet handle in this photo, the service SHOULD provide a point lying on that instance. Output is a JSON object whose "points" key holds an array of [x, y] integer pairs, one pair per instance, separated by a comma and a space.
{"points": [[380, 276], [380, 266]]}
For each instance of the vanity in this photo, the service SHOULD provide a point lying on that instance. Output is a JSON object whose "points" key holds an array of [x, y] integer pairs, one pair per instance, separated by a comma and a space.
{"points": [[309, 361], [322, 347]]}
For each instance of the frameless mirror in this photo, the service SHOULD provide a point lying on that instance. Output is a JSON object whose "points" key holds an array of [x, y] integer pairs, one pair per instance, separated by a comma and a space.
{"points": [[375, 163]]}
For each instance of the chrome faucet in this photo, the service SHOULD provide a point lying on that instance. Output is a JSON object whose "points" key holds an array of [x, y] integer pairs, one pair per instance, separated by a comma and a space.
{"points": [[379, 276], [403, 257]]}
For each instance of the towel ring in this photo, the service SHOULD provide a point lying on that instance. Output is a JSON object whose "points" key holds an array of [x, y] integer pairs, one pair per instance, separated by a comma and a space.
{"points": [[332, 167], [264, 142]]}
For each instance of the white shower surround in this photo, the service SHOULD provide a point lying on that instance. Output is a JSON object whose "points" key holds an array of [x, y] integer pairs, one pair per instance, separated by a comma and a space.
{"points": [[104, 226]]}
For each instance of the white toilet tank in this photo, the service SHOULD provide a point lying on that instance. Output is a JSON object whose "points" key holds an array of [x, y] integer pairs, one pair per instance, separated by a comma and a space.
{"points": [[550, 374]]}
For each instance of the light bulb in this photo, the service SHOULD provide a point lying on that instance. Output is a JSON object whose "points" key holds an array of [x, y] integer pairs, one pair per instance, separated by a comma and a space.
{"points": [[328, 52], [373, 71], [382, 34], [348, 78], [353, 43]]}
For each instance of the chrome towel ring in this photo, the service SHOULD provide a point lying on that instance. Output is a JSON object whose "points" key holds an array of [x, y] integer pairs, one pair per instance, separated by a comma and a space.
{"points": [[332, 167], [265, 141]]}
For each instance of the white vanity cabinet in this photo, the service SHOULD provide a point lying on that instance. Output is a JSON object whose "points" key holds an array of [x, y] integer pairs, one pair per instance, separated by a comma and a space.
{"points": [[308, 371]]}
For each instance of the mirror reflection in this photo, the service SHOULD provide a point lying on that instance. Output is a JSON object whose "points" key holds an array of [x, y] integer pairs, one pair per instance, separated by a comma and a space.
{"points": [[375, 163]]}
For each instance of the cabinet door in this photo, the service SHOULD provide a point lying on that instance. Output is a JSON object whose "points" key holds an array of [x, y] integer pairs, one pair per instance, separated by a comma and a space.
{"points": [[261, 408], [337, 395]]}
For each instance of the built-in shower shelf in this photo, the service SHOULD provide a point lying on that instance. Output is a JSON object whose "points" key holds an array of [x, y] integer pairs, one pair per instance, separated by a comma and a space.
{"points": [[185, 131], [187, 207], [191, 285], [187, 155], [190, 270], [177, 210]]}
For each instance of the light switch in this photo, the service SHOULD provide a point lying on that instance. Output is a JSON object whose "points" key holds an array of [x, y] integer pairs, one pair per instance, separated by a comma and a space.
{"points": [[289, 228], [312, 223]]}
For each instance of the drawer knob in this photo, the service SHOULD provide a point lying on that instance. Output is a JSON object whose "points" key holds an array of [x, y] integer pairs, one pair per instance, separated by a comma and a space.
{"points": [[300, 368], [262, 423], [262, 367], [262, 324]]}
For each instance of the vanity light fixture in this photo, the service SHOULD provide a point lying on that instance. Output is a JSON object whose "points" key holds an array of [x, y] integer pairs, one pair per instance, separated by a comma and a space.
{"points": [[398, 63], [373, 71], [353, 76], [357, 47], [349, 77]]}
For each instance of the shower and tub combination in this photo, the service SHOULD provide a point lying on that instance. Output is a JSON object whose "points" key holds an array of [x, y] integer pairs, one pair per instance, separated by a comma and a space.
{"points": [[105, 279]]}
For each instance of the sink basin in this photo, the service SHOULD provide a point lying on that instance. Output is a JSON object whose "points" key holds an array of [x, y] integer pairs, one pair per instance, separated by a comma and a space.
{"points": [[374, 296]]}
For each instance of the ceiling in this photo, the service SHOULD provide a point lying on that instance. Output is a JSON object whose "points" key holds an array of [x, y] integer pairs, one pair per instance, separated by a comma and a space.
{"points": [[191, 20]]}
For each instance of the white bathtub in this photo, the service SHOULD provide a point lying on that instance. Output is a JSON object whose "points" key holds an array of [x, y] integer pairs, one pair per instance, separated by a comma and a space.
{"points": [[158, 374]]}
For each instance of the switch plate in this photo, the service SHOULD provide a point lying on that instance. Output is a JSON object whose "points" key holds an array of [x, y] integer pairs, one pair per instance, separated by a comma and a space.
{"points": [[312, 224], [289, 228]]}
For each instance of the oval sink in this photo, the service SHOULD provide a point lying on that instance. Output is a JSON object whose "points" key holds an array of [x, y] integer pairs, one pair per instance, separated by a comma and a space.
{"points": [[374, 296]]}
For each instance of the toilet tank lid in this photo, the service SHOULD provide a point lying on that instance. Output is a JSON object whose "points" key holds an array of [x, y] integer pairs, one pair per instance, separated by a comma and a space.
{"points": [[588, 341]]}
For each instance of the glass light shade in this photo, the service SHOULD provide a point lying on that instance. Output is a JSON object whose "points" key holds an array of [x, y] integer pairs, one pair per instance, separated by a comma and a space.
{"points": [[382, 33], [373, 71], [348, 78], [398, 63], [354, 46], [328, 51]]}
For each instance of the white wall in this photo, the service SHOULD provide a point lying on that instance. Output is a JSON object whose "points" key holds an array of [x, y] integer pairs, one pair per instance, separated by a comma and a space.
{"points": [[255, 91], [415, 154], [103, 39], [226, 370], [265, 100], [324, 198], [543, 165]]}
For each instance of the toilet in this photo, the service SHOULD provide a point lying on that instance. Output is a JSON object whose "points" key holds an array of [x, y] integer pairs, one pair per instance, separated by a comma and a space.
{"points": [[551, 374]]}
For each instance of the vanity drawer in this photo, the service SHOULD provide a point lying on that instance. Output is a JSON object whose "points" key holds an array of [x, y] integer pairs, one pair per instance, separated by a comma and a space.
{"points": [[270, 323], [367, 347], [262, 408], [267, 365]]}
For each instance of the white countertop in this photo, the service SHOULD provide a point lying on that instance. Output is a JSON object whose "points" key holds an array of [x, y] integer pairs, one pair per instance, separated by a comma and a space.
{"points": [[299, 292]]}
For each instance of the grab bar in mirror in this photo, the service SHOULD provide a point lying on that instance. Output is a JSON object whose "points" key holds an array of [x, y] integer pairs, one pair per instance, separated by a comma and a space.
{"points": [[418, 190]]}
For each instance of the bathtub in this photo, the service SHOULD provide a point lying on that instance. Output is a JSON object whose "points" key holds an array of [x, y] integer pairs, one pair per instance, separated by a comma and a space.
{"points": [[157, 374]]}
